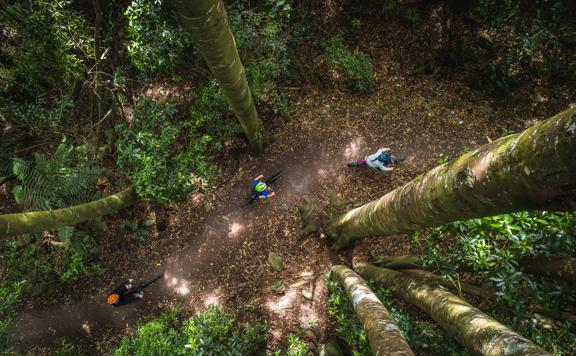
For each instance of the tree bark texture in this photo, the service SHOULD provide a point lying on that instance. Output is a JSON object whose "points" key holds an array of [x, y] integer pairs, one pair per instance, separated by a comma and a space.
{"points": [[207, 22], [558, 267], [38, 221], [383, 333], [403, 263], [398, 262], [477, 331], [534, 169]]}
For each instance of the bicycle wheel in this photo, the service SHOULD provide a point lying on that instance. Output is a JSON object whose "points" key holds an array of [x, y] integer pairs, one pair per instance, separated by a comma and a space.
{"points": [[398, 159], [250, 199], [274, 178], [360, 163], [151, 280]]}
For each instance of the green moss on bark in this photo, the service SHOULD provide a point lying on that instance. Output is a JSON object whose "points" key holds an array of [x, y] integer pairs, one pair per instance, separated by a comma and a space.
{"points": [[477, 331], [383, 332], [531, 170], [207, 22], [38, 221]]}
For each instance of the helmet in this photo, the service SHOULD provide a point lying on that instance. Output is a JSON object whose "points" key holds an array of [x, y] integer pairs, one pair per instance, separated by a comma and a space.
{"points": [[113, 298], [385, 158], [260, 187]]}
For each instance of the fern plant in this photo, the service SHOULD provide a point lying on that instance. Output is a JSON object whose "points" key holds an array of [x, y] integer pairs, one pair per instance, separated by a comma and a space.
{"points": [[56, 182]]}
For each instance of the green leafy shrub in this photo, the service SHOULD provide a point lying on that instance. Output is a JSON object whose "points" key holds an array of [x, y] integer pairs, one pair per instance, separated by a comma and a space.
{"points": [[39, 263], [262, 38], [10, 293], [45, 46], [355, 69], [156, 155], [140, 230], [296, 347], [524, 40], [411, 15], [214, 332], [157, 41], [207, 115], [491, 247], [50, 44]]}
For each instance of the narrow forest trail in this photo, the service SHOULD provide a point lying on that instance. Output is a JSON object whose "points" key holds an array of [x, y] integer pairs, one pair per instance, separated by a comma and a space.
{"points": [[215, 252]]}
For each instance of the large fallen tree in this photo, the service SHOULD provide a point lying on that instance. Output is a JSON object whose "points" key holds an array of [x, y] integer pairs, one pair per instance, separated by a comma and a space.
{"points": [[532, 170]]}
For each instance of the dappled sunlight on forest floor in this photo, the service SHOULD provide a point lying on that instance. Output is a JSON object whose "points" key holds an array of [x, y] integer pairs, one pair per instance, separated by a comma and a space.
{"points": [[215, 251]]}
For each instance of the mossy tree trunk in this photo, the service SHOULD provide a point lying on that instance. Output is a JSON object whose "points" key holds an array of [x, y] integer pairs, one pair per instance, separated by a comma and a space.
{"points": [[534, 169], [487, 293], [207, 22], [38, 221], [383, 333], [558, 267], [475, 330], [398, 262]]}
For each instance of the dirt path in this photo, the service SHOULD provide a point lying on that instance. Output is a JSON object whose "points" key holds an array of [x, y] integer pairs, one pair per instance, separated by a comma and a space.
{"points": [[215, 252]]}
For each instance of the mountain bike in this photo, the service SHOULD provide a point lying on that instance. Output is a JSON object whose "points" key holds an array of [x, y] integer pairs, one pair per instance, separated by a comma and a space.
{"points": [[361, 163]]}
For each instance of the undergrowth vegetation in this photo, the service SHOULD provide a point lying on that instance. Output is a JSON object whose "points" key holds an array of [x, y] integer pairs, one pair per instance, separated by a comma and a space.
{"points": [[490, 249], [356, 70], [42, 59], [262, 37], [154, 152], [214, 332], [65, 178], [157, 43], [525, 39]]}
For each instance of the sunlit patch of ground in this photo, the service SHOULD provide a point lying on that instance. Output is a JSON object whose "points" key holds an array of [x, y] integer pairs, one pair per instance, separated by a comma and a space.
{"points": [[234, 229], [213, 298], [356, 149]]}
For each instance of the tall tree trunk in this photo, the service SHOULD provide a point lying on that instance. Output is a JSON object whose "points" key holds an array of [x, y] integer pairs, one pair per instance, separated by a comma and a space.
{"points": [[207, 22], [483, 292], [383, 333], [559, 267], [486, 293], [38, 221], [475, 330], [397, 262], [535, 169]]}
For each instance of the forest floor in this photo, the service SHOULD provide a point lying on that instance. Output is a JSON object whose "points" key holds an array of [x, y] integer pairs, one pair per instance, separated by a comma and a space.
{"points": [[215, 251]]}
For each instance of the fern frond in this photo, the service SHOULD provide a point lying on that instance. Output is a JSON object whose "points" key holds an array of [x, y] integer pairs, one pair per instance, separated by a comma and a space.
{"points": [[52, 183], [65, 234]]}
